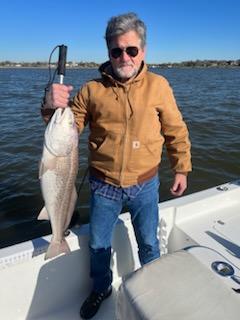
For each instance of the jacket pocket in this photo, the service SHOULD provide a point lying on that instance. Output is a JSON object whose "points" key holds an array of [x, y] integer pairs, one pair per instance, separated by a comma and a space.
{"points": [[105, 150], [147, 156], [155, 147]]}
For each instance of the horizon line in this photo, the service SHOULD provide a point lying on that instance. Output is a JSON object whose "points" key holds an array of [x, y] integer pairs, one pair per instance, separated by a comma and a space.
{"points": [[81, 61]]}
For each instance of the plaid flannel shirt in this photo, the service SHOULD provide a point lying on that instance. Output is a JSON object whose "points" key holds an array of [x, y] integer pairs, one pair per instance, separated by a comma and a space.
{"points": [[113, 192]]}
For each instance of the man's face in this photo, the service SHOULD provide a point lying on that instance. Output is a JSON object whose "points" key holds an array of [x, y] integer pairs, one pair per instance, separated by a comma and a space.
{"points": [[126, 66]]}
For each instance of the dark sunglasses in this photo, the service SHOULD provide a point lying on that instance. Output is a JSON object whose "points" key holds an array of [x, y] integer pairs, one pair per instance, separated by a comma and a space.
{"points": [[130, 51]]}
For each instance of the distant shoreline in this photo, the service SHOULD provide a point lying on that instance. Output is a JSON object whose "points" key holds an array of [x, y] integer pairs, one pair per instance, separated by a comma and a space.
{"points": [[94, 65], [44, 67], [150, 67]]}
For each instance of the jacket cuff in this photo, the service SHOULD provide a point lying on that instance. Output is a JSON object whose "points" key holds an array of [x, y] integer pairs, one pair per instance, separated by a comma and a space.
{"points": [[183, 173]]}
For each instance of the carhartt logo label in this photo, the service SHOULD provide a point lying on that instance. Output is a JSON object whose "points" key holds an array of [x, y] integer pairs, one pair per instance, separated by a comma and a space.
{"points": [[136, 144]]}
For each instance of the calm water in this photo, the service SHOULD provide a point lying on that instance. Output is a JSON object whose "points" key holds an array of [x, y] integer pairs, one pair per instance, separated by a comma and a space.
{"points": [[208, 98]]}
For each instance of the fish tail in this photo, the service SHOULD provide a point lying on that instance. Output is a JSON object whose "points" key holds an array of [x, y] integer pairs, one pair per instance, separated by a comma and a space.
{"points": [[56, 248]]}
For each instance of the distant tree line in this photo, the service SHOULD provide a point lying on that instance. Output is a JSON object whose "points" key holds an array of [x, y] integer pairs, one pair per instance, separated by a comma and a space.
{"points": [[201, 63], [71, 64], [39, 64]]}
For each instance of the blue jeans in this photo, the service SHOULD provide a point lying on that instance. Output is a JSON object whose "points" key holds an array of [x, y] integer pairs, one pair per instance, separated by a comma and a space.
{"points": [[103, 217]]}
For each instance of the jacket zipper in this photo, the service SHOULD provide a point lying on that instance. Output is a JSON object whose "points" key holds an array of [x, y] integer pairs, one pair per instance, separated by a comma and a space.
{"points": [[126, 136]]}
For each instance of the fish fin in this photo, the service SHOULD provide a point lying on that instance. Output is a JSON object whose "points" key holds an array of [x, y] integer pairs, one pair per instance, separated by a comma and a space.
{"points": [[71, 207], [43, 215], [41, 170], [57, 248]]}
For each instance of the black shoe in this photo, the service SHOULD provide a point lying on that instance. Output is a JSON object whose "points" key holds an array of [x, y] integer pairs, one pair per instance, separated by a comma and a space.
{"points": [[93, 302]]}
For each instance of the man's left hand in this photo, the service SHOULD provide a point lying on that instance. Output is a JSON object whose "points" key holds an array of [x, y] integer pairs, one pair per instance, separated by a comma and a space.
{"points": [[179, 184]]}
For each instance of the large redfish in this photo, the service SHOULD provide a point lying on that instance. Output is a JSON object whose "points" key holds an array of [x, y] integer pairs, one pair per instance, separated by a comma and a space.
{"points": [[58, 171]]}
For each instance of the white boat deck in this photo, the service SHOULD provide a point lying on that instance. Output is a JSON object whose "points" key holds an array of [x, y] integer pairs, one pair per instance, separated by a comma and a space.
{"points": [[206, 222]]}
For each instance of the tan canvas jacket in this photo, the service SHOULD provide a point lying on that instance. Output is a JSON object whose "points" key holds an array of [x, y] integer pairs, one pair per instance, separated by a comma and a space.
{"points": [[129, 123]]}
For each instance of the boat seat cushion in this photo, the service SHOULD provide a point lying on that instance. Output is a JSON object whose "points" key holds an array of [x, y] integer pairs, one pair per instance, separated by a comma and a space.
{"points": [[176, 287]]}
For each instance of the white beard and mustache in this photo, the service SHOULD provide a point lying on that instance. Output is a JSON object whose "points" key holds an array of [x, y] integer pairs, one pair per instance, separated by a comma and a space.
{"points": [[123, 73]]}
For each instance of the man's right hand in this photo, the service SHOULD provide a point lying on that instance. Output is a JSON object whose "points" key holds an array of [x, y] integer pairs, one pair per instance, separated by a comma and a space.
{"points": [[58, 96]]}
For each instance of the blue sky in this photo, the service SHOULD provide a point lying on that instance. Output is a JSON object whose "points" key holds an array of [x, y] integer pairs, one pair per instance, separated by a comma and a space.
{"points": [[177, 30]]}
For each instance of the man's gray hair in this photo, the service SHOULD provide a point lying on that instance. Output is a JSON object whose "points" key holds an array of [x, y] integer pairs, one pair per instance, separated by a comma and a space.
{"points": [[123, 23]]}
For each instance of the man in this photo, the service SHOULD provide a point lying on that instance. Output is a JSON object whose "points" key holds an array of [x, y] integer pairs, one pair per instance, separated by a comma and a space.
{"points": [[131, 112]]}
